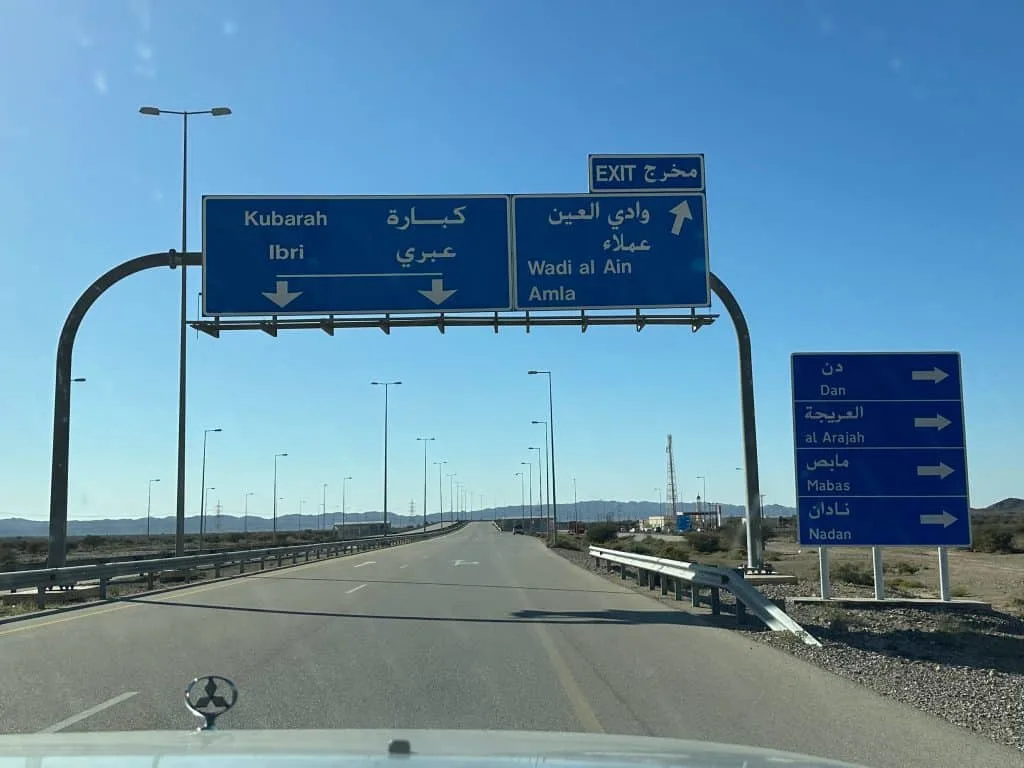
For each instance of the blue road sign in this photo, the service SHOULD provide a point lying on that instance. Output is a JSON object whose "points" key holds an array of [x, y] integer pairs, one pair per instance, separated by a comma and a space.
{"points": [[646, 173], [355, 255], [881, 457], [610, 251]]}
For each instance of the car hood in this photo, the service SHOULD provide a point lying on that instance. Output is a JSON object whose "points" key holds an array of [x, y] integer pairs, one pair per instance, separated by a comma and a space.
{"points": [[428, 748]]}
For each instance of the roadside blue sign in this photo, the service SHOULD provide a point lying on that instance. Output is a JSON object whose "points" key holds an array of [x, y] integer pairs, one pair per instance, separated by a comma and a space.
{"points": [[880, 446], [355, 255], [610, 251], [683, 523], [646, 173]]}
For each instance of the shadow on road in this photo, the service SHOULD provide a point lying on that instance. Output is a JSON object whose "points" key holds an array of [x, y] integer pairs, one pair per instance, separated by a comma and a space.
{"points": [[602, 617], [444, 584]]}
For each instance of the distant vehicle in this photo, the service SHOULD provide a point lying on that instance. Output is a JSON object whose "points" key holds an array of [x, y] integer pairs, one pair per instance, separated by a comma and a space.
{"points": [[518, 529], [577, 529]]}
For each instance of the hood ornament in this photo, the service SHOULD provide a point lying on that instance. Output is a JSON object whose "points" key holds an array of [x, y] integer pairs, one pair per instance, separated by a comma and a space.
{"points": [[209, 697]]}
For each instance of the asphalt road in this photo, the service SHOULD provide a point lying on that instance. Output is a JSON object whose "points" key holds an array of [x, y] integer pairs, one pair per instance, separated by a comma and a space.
{"points": [[475, 629]]}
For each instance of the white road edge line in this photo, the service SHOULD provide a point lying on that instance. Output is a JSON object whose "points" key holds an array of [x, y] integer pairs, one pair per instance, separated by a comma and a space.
{"points": [[406, 565], [365, 562], [354, 589], [89, 712]]}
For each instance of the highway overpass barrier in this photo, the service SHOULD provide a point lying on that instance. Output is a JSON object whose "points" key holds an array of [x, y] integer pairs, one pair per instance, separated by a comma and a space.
{"points": [[713, 578], [186, 568]]}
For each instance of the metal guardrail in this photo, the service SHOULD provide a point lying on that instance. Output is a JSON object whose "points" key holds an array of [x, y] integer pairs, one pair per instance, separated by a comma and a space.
{"points": [[711, 577], [44, 579]]}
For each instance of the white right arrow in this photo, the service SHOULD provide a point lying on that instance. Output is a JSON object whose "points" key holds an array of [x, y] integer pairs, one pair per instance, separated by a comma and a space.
{"points": [[437, 293], [941, 470], [945, 519], [682, 213], [282, 296], [938, 423], [935, 375]]}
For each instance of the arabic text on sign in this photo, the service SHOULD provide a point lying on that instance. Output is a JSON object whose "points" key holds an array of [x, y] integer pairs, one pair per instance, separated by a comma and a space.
{"points": [[821, 509], [407, 257], [403, 223], [831, 464], [833, 417], [635, 212], [673, 173], [583, 214]]}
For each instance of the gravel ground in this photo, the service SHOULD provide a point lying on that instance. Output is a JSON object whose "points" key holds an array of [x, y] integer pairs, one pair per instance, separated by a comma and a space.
{"points": [[964, 665]]}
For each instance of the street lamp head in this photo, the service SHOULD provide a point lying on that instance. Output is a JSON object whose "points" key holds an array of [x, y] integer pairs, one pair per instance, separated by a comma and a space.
{"points": [[539, 422], [79, 378], [220, 111], [155, 480], [149, 110]]}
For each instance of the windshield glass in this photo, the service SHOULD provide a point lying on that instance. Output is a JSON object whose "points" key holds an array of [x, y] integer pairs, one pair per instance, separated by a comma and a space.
{"points": [[566, 366]]}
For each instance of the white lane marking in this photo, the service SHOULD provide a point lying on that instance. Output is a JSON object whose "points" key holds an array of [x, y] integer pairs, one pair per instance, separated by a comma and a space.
{"points": [[457, 563], [89, 712], [354, 589], [366, 562], [404, 565]]}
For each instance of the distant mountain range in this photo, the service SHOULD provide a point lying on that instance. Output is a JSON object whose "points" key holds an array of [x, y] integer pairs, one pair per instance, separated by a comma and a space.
{"points": [[587, 511]]}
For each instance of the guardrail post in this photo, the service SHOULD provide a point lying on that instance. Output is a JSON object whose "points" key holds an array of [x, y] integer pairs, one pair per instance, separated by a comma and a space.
{"points": [[295, 557], [307, 556], [664, 585], [279, 560], [263, 563], [103, 588], [679, 589], [150, 581], [716, 601], [741, 613], [241, 565], [216, 570], [652, 579], [694, 596], [40, 597]]}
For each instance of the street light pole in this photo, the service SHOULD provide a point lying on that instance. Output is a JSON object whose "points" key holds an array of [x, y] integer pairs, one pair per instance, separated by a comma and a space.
{"points": [[529, 466], [149, 502], [547, 470], [551, 425], [323, 521], [179, 539], [276, 457], [387, 385], [206, 503], [575, 504], [202, 484], [440, 492], [451, 496], [540, 485], [425, 441], [522, 494], [245, 513], [344, 485]]}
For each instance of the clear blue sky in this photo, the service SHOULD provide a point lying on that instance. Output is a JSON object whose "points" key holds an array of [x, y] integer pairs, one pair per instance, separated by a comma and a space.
{"points": [[863, 163]]}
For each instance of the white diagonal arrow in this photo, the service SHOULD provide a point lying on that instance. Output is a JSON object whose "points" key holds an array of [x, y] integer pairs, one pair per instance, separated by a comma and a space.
{"points": [[935, 375], [940, 470], [282, 296], [682, 213], [938, 423], [945, 519], [437, 293]]}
